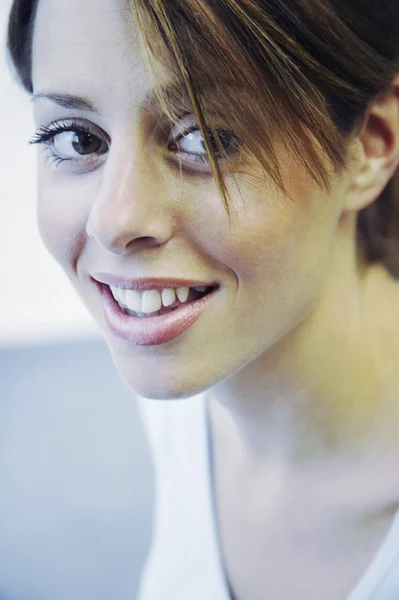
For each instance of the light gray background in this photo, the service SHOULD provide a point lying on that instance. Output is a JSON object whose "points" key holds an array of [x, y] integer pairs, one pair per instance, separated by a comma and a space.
{"points": [[76, 480]]}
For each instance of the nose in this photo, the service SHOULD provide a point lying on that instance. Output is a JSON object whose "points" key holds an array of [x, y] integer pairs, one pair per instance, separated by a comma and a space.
{"points": [[131, 210]]}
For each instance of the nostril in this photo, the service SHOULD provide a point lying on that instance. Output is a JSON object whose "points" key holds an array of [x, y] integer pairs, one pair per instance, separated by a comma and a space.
{"points": [[143, 242]]}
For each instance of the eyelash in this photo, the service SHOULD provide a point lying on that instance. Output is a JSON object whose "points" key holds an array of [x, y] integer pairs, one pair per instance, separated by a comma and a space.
{"points": [[45, 135]]}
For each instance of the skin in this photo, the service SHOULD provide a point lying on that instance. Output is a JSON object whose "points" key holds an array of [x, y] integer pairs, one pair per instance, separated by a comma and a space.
{"points": [[297, 348]]}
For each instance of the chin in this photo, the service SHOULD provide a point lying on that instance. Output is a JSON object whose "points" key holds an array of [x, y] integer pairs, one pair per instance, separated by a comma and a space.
{"points": [[161, 384]]}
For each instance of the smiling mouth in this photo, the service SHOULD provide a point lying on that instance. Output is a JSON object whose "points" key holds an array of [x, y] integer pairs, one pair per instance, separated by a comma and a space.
{"points": [[156, 302]]}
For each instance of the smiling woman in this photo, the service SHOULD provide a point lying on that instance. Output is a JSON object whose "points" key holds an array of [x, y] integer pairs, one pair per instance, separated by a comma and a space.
{"points": [[219, 182]]}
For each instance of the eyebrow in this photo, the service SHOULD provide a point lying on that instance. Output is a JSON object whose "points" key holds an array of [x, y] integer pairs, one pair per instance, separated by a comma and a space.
{"points": [[175, 92], [66, 101]]}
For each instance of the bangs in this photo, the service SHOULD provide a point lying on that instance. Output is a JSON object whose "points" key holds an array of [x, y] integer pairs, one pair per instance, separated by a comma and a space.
{"points": [[235, 62]]}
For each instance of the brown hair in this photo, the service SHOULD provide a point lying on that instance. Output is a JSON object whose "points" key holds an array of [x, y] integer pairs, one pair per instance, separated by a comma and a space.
{"points": [[300, 71]]}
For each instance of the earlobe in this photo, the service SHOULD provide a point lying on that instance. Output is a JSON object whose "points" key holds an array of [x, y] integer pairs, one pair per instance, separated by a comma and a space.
{"points": [[377, 150]]}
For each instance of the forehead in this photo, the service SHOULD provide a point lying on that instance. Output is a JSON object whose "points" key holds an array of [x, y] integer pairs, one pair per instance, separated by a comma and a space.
{"points": [[88, 45]]}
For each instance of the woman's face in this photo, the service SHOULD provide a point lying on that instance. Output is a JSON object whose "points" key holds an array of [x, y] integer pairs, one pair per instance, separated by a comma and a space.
{"points": [[114, 208]]}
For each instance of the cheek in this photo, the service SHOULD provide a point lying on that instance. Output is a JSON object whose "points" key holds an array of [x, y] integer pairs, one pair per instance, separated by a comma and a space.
{"points": [[62, 213], [273, 239], [278, 249]]}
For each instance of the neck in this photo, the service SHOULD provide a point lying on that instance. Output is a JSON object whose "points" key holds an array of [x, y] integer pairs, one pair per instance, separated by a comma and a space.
{"points": [[328, 386]]}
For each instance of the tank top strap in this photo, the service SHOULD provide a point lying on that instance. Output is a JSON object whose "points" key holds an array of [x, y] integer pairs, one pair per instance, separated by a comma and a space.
{"points": [[381, 580], [184, 560]]}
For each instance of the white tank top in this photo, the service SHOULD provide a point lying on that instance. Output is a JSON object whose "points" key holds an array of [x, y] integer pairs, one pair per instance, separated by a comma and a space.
{"points": [[185, 560]]}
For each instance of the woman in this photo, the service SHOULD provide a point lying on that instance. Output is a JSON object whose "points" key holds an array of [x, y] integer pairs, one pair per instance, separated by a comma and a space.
{"points": [[218, 180]]}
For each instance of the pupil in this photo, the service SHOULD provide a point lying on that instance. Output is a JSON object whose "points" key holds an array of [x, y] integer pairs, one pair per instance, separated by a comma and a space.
{"points": [[86, 144], [224, 138]]}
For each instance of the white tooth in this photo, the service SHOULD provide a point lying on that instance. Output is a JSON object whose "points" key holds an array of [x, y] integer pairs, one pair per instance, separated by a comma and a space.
{"points": [[182, 293], [168, 297], [200, 288], [121, 296], [140, 314], [114, 292], [151, 301], [133, 300]]}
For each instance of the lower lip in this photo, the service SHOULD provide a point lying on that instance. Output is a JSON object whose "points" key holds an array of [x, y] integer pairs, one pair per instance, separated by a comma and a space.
{"points": [[150, 331]]}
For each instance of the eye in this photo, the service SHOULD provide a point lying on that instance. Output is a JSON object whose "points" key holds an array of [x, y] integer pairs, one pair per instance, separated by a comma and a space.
{"points": [[70, 142], [191, 144]]}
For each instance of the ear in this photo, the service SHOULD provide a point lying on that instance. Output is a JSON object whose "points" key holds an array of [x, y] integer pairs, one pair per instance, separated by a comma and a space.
{"points": [[377, 149]]}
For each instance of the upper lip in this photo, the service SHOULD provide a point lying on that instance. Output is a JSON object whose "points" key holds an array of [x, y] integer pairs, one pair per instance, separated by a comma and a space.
{"points": [[149, 283]]}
